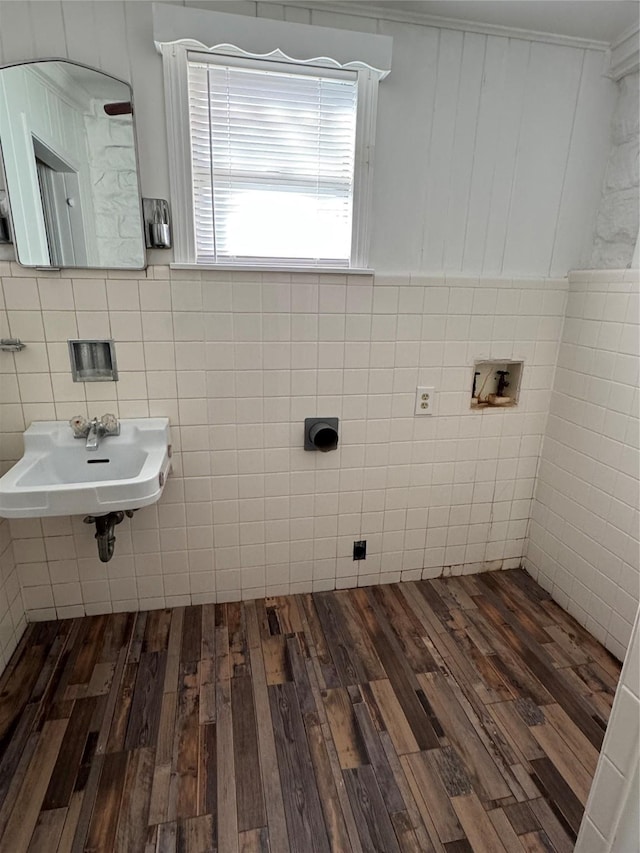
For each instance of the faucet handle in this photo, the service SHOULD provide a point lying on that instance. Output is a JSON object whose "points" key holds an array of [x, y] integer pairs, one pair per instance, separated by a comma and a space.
{"points": [[80, 426], [110, 424]]}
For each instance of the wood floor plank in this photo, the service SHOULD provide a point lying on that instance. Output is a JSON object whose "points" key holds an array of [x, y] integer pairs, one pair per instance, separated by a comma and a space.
{"points": [[160, 791], [70, 826], [300, 677], [378, 760], [374, 825], [20, 826], [249, 795], [521, 818], [236, 627], [430, 839], [121, 707], [327, 749], [133, 818], [156, 635], [117, 636], [506, 832], [274, 804], [477, 825], [195, 835], [486, 776], [16, 691], [226, 810], [581, 637], [570, 734], [254, 841], [555, 830], [183, 794], [63, 777], [89, 648], [346, 735], [446, 716], [565, 761], [331, 618], [401, 678], [358, 637], [47, 832], [316, 638], [104, 819], [516, 730], [394, 719], [558, 791], [406, 627], [174, 645], [167, 837], [434, 797], [207, 775], [329, 799], [89, 794], [306, 827], [405, 833], [538, 662], [14, 754], [191, 634], [146, 704]]}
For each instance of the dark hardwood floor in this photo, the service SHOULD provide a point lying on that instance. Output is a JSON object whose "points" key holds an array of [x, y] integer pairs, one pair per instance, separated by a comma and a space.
{"points": [[451, 715]]}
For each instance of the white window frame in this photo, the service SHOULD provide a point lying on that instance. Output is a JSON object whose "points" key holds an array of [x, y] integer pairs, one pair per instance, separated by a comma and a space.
{"points": [[179, 31], [175, 60]]}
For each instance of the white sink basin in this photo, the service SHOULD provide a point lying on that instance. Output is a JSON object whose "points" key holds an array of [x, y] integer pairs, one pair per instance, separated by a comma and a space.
{"points": [[58, 476]]}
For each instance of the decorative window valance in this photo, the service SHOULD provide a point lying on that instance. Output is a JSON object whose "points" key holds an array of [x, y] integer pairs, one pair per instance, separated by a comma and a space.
{"points": [[220, 32]]}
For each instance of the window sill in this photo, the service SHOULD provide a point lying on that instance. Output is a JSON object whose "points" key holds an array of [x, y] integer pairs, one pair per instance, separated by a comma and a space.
{"points": [[283, 269]]}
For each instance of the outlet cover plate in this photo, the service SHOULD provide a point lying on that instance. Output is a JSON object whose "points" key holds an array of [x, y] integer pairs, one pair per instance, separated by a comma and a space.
{"points": [[360, 549], [425, 400]]}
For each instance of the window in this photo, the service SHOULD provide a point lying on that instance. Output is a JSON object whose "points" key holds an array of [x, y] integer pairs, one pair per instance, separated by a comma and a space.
{"points": [[270, 157], [272, 161]]}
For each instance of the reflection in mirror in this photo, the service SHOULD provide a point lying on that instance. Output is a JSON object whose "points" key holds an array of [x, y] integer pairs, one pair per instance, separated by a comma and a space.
{"points": [[67, 139]]}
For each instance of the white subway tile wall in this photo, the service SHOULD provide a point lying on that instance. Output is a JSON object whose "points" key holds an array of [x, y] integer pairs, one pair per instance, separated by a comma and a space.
{"points": [[237, 361], [583, 538], [12, 617], [611, 814]]}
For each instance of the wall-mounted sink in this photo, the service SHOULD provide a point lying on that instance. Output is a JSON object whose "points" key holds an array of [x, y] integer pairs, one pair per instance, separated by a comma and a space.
{"points": [[58, 475]]}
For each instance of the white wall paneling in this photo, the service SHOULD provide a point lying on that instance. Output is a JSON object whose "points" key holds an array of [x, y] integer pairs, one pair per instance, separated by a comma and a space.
{"points": [[617, 222], [485, 143], [589, 145]]}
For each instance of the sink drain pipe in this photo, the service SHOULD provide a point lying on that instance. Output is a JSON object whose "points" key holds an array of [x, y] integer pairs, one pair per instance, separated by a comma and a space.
{"points": [[105, 536]]}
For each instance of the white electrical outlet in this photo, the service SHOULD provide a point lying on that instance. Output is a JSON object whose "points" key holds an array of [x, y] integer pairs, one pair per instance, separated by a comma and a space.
{"points": [[425, 401]]}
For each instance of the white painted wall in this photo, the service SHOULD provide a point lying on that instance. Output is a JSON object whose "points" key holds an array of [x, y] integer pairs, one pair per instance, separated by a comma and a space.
{"points": [[617, 221], [583, 538], [490, 150]]}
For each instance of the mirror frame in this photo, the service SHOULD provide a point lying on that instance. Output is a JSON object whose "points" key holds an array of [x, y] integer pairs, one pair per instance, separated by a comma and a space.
{"points": [[145, 262]]}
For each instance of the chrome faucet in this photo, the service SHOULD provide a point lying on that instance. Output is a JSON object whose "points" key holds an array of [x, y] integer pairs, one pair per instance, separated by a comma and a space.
{"points": [[95, 429]]}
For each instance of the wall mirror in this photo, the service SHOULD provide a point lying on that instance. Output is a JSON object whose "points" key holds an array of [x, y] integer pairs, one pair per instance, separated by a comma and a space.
{"points": [[70, 166]]}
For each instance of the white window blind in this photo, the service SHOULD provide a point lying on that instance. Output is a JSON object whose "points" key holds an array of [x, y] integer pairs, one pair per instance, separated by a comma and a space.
{"points": [[273, 153]]}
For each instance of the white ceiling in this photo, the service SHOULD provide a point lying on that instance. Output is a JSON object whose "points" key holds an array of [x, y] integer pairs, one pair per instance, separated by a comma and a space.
{"points": [[601, 20]]}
